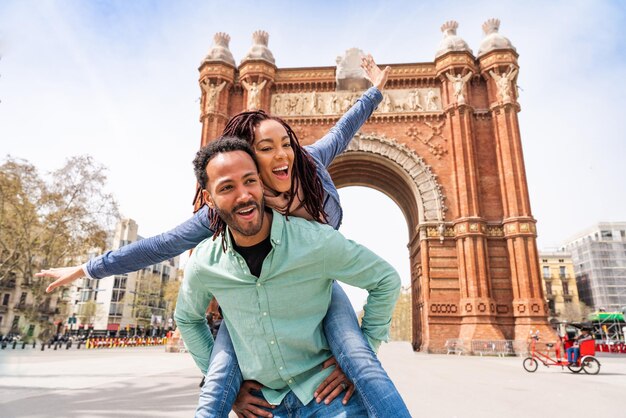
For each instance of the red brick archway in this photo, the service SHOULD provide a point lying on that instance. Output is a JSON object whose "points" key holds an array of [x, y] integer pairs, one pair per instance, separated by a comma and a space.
{"points": [[445, 146]]}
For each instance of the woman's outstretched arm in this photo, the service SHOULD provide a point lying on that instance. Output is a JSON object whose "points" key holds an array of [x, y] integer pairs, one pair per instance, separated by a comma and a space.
{"points": [[137, 255], [337, 139]]}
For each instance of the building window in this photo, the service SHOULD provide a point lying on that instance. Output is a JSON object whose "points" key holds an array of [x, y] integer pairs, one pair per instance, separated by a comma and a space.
{"points": [[562, 272], [120, 282], [561, 260], [16, 322], [549, 288], [546, 272], [565, 288], [545, 260], [5, 299], [606, 234], [23, 298]]}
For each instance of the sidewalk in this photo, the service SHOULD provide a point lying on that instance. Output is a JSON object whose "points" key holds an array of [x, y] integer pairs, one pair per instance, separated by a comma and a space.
{"points": [[147, 382]]}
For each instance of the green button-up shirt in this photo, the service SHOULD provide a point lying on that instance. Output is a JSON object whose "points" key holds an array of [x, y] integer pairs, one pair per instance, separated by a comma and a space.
{"points": [[275, 320]]}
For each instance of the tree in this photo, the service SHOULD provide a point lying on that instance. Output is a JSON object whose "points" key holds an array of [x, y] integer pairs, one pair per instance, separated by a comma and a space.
{"points": [[147, 298], [401, 321], [87, 312], [50, 223], [170, 296], [575, 312]]}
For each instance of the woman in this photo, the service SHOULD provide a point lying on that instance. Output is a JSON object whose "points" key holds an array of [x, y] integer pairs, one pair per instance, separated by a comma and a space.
{"points": [[298, 184]]}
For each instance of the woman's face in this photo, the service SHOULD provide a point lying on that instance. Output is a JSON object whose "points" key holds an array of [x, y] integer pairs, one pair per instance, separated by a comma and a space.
{"points": [[274, 154]]}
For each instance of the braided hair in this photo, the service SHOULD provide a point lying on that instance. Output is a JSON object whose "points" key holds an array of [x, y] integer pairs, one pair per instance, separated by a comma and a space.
{"points": [[304, 172]]}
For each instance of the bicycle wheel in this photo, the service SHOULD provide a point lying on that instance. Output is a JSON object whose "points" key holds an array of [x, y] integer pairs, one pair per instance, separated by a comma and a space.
{"points": [[530, 364], [591, 365], [575, 368]]}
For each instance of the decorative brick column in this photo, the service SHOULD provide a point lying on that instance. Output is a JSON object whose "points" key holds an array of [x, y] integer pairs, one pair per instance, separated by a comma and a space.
{"points": [[499, 68]]}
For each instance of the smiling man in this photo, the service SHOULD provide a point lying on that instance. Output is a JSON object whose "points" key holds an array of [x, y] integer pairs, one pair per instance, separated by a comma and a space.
{"points": [[273, 279]]}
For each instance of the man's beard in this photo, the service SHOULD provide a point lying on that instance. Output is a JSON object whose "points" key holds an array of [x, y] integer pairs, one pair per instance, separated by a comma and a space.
{"points": [[230, 218]]}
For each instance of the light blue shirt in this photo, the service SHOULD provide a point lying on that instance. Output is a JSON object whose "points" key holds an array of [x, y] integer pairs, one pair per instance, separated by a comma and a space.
{"points": [[275, 320]]}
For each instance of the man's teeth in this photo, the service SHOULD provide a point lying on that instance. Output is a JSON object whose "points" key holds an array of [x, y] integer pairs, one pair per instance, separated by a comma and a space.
{"points": [[246, 211]]}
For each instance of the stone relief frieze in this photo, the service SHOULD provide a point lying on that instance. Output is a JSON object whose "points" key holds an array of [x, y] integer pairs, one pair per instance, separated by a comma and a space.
{"points": [[337, 103]]}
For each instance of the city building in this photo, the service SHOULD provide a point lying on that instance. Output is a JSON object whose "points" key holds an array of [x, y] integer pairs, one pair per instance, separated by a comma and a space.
{"points": [[126, 303], [18, 307], [599, 257], [559, 285]]}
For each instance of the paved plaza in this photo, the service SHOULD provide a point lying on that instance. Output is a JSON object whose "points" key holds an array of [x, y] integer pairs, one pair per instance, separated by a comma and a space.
{"points": [[147, 382]]}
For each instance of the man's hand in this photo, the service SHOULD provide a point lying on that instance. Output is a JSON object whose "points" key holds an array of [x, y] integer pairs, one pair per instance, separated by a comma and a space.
{"points": [[63, 276], [247, 406], [373, 73], [334, 384]]}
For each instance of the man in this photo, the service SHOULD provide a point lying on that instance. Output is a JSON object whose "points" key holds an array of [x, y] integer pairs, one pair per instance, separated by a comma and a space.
{"points": [[573, 353], [273, 278]]}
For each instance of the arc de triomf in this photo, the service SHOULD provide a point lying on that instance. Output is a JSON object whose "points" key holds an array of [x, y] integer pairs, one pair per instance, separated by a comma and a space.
{"points": [[444, 144]]}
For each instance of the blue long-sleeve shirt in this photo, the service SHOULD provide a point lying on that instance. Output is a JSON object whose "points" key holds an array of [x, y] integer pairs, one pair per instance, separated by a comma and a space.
{"points": [[190, 233]]}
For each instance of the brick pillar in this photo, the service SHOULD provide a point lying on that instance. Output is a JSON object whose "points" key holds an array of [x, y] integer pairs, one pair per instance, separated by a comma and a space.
{"points": [[455, 70], [529, 305], [216, 81]]}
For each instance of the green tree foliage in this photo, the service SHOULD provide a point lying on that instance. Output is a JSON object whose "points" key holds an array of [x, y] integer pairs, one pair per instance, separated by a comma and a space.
{"points": [[49, 222], [147, 298]]}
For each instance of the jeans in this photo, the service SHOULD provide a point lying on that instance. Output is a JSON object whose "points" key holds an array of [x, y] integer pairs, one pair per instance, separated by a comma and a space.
{"points": [[377, 392], [572, 354], [291, 407]]}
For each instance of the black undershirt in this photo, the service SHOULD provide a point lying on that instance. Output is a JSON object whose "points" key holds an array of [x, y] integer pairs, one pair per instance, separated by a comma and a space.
{"points": [[255, 255]]}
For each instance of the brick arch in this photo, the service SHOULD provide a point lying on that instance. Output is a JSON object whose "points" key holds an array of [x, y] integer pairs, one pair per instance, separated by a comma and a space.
{"points": [[395, 170], [474, 267]]}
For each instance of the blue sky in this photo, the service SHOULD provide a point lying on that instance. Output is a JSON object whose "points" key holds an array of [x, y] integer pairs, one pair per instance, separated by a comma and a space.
{"points": [[118, 80]]}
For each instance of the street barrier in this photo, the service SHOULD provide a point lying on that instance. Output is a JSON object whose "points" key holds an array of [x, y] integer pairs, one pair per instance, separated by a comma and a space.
{"points": [[498, 348], [118, 342], [455, 346]]}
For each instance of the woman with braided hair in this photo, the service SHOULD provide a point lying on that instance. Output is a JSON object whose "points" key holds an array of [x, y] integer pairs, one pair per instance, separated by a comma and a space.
{"points": [[297, 183]]}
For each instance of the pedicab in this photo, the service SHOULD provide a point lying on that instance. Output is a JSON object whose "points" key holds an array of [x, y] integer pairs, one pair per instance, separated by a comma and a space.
{"points": [[586, 362]]}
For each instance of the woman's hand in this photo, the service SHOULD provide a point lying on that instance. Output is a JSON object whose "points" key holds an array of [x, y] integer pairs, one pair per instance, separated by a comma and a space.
{"points": [[247, 405], [334, 384], [63, 276], [276, 201], [373, 73]]}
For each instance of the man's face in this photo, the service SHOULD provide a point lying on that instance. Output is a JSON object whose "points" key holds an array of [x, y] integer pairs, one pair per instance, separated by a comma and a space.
{"points": [[234, 189]]}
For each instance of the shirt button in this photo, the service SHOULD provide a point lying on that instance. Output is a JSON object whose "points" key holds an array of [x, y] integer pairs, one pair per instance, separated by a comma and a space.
{"points": [[264, 313], [272, 342], [290, 381], [258, 284], [280, 368]]}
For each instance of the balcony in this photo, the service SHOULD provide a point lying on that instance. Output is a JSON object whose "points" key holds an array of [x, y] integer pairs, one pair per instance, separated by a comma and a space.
{"points": [[7, 285], [48, 310], [23, 306], [4, 308]]}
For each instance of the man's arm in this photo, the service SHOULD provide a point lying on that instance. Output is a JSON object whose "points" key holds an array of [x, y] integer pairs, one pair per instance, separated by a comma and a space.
{"points": [[190, 315], [354, 264]]}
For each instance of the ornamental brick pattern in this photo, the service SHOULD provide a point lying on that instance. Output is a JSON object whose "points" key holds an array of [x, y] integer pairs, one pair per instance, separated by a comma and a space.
{"points": [[450, 155]]}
